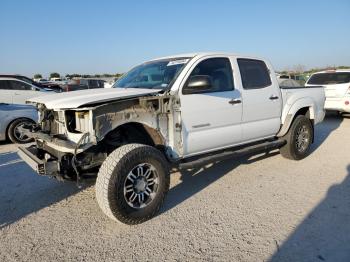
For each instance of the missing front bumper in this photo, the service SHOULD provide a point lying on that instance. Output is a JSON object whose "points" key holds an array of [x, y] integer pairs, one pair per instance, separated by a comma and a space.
{"points": [[39, 164]]}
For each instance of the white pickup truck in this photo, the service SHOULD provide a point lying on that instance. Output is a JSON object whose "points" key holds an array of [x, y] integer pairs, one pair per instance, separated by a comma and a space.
{"points": [[177, 111]]}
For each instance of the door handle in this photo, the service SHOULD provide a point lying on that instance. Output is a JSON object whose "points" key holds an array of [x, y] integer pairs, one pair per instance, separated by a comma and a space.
{"points": [[235, 101], [272, 97]]}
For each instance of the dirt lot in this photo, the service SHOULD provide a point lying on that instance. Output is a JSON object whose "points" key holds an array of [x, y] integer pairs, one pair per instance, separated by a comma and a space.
{"points": [[250, 209]]}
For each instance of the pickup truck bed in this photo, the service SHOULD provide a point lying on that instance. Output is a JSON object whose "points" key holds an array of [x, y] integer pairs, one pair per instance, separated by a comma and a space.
{"points": [[302, 95]]}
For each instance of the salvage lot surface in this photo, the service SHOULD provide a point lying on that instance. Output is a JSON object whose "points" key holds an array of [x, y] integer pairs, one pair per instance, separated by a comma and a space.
{"points": [[249, 209]]}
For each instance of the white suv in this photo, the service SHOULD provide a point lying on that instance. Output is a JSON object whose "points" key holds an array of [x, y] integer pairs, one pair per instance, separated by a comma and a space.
{"points": [[337, 88]]}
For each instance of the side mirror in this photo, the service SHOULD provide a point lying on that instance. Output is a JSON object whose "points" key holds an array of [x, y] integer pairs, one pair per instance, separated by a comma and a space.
{"points": [[198, 84]]}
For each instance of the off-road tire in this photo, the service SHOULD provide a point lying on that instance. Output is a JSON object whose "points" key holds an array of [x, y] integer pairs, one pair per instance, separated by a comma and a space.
{"points": [[290, 150], [12, 129], [112, 175]]}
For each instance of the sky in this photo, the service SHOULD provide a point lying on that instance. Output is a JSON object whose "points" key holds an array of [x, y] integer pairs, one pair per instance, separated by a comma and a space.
{"points": [[85, 36]]}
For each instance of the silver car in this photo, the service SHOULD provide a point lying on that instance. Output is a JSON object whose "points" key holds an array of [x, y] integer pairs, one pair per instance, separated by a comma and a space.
{"points": [[12, 118]]}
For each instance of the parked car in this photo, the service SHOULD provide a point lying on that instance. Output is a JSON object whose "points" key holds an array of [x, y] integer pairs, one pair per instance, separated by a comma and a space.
{"points": [[84, 83], [41, 83], [41, 80], [20, 77], [288, 83], [55, 79], [337, 88], [55, 85], [13, 117], [301, 78], [178, 111], [59, 81], [15, 91]]}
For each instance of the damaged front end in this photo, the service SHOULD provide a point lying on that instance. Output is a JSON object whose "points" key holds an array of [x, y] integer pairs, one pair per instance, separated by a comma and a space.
{"points": [[62, 142], [71, 142]]}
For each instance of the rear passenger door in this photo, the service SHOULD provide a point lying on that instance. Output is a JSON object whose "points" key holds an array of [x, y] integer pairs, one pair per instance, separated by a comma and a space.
{"points": [[262, 102], [6, 92]]}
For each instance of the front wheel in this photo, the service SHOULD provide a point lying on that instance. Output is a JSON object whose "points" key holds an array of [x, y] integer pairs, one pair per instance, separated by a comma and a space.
{"points": [[298, 138], [14, 131], [132, 183]]}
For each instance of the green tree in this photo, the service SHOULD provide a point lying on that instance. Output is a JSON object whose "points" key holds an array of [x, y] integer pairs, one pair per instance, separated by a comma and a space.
{"points": [[37, 76], [52, 75], [75, 75]]}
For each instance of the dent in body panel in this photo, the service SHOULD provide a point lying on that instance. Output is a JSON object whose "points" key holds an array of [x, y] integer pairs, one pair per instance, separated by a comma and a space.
{"points": [[154, 113]]}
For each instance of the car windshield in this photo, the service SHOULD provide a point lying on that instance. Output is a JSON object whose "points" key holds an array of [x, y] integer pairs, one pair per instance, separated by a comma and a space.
{"points": [[158, 74], [25, 79], [329, 78]]}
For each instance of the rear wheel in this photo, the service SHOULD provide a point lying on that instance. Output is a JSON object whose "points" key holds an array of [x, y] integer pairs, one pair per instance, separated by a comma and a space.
{"points": [[299, 139], [14, 133], [132, 183]]}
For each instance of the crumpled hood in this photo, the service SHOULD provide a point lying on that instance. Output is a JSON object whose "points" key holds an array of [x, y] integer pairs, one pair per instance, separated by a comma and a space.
{"points": [[81, 98]]}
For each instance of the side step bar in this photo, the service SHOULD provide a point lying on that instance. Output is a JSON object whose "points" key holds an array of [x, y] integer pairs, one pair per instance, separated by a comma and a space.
{"points": [[230, 153]]}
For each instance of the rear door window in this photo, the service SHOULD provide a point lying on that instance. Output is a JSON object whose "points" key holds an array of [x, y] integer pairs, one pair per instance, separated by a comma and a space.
{"points": [[254, 73], [17, 85], [329, 78]]}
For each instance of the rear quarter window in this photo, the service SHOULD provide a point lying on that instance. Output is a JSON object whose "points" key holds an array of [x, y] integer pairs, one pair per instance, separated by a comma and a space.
{"points": [[254, 73]]}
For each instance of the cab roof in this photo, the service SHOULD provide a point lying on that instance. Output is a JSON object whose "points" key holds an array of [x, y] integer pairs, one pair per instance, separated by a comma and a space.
{"points": [[202, 54]]}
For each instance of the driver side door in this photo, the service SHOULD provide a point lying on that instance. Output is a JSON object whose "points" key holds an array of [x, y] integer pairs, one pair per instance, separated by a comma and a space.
{"points": [[211, 119]]}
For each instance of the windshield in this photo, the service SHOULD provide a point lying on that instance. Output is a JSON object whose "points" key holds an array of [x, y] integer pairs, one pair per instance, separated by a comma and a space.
{"points": [[156, 74], [25, 79], [329, 78]]}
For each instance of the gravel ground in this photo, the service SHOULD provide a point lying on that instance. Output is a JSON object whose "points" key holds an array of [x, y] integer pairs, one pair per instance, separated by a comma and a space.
{"points": [[250, 209]]}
